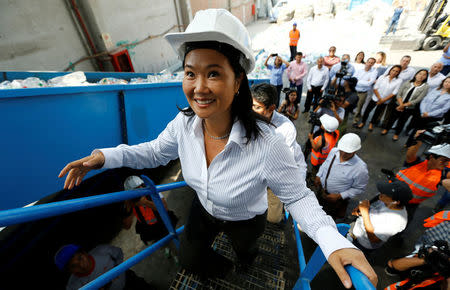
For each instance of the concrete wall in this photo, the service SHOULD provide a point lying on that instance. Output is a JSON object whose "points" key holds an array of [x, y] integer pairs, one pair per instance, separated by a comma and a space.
{"points": [[42, 35], [39, 35], [134, 20], [242, 9]]}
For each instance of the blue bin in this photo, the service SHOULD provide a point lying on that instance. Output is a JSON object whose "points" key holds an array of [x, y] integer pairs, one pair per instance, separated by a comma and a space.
{"points": [[45, 128]]}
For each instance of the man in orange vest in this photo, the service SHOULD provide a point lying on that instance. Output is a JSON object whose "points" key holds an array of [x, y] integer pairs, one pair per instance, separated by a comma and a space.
{"points": [[294, 36], [149, 224], [324, 141], [433, 239], [423, 176]]}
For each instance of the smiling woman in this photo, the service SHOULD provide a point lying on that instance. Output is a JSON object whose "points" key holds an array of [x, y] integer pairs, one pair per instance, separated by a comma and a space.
{"points": [[229, 155]]}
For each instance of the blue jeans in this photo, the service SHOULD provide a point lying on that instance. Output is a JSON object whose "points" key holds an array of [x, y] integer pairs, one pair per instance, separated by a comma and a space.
{"points": [[392, 27], [299, 91]]}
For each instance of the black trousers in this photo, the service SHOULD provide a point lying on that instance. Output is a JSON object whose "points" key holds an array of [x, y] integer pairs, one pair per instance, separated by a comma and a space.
{"points": [[379, 110], [201, 228], [401, 118], [313, 97], [293, 52], [279, 88]]}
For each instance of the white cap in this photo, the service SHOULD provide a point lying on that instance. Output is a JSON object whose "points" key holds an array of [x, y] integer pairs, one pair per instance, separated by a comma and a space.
{"points": [[330, 124], [132, 182], [215, 25], [441, 150], [349, 143]]}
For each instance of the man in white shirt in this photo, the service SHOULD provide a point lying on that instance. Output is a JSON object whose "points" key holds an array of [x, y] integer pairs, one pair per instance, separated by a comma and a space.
{"points": [[264, 103], [383, 219], [435, 77], [366, 78], [407, 72], [316, 83], [342, 176]]}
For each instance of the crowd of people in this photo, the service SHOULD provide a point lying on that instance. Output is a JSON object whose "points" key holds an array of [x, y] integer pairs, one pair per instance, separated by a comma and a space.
{"points": [[394, 97], [238, 150]]}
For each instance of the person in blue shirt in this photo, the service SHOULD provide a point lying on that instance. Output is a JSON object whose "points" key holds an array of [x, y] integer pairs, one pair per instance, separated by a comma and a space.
{"points": [[276, 72], [345, 60], [445, 60], [394, 20]]}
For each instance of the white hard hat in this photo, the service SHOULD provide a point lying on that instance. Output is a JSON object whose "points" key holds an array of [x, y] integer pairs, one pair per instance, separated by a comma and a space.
{"points": [[349, 143], [215, 25], [132, 182], [329, 123], [441, 150]]}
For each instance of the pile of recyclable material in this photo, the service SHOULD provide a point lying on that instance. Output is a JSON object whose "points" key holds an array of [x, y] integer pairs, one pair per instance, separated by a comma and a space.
{"points": [[79, 79]]}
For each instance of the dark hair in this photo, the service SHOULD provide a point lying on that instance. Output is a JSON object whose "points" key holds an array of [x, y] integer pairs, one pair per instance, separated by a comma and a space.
{"points": [[352, 83], [371, 58], [395, 66], [241, 107], [265, 93], [414, 78], [442, 83], [297, 100], [299, 53], [407, 56], [356, 57]]}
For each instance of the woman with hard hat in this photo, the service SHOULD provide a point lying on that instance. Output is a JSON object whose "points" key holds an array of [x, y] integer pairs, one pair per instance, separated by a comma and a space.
{"points": [[229, 155], [322, 144]]}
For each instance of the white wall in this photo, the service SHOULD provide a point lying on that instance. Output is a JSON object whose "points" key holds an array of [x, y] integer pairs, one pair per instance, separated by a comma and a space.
{"points": [[38, 35]]}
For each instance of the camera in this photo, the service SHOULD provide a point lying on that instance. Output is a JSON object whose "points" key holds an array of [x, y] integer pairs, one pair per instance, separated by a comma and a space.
{"points": [[437, 256], [314, 119], [274, 54], [435, 134], [343, 71], [328, 96]]}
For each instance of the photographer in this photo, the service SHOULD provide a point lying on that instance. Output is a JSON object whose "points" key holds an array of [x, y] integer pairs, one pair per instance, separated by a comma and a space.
{"points": [[321, 145], [423, 176], [330, 105], [276, 71], [382, 219], [342, 69], [430, 256]]}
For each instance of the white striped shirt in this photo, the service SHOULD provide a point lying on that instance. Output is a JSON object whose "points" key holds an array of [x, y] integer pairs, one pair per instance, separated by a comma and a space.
{"points": [[234, 185], [286, 128]]}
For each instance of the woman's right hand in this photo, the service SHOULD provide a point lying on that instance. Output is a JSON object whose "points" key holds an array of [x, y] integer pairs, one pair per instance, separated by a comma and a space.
{"points": [[79, 168]]}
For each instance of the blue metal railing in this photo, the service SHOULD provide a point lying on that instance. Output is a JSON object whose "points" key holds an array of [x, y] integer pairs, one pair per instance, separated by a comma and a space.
{"points": [[309, 271], [22, 215]]}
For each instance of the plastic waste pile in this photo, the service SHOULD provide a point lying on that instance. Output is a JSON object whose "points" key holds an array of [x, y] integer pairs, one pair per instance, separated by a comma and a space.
{"points": [[79, 79]]}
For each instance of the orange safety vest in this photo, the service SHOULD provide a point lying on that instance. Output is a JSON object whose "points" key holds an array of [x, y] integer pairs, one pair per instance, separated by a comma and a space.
{"points": [[294, 36], [422, 284], [437, 219], [423, 182], [147, 213], [317, 157]]}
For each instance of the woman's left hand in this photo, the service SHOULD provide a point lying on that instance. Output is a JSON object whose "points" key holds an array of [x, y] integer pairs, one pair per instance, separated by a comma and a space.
{"points": [[340, 258]]}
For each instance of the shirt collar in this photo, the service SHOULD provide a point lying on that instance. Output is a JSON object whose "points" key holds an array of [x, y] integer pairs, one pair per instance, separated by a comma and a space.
{"points": [[237, 134], [350, 162]]}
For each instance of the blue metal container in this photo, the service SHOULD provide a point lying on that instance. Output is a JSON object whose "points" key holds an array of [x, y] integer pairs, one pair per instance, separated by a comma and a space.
{"points": [[45, 128]]}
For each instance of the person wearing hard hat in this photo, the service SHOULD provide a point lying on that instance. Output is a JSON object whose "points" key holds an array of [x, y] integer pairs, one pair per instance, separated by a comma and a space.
{"points": [[149, 224], [382, 219], [342, 176], [294, 37], [229, 155], [321, 145], [264, 103], [423, 176]]}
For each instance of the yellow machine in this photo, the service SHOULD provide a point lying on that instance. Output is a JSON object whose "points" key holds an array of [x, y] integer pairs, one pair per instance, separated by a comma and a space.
{"points": [[435, 25]]}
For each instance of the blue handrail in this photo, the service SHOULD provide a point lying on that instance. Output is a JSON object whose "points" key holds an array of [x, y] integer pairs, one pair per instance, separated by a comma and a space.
{"points": [[36, 212], [308, 272]]}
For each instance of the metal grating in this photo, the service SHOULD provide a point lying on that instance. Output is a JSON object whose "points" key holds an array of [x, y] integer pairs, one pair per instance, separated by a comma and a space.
{"points": [[275, 267]]}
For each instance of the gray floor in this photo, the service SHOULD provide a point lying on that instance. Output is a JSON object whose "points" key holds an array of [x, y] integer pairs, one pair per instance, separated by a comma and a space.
{"points": [[377, 151]]}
